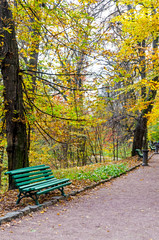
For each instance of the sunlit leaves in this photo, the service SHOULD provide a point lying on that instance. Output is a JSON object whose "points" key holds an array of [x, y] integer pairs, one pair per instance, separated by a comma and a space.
{"points": [[139, 23]]}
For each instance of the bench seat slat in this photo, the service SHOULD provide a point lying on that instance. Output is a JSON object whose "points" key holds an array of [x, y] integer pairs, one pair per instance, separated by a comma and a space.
{"points": [[53, 188], [22, 187], [45, 185]]}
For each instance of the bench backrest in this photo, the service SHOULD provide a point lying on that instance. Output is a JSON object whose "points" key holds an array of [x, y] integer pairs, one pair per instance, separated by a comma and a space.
{"points": [[30, 175]]}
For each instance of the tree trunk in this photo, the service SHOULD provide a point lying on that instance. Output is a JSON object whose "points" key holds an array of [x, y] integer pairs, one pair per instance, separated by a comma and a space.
{"points": [[139, 133], [141, 127], [17, 149]]}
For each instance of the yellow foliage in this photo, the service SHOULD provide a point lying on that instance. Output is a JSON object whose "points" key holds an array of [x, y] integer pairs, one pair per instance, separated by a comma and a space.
{"points": [[153, 117]]}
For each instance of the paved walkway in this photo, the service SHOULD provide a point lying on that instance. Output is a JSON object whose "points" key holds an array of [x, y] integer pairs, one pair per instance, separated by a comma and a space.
{"points": [[127, 209]]}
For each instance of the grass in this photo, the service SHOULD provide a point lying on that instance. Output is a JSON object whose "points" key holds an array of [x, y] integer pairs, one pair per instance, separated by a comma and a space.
{"points": [[92, 172]]}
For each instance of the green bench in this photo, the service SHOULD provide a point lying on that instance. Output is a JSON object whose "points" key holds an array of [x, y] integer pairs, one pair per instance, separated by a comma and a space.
{"points": [[37, 180], [140, 154], [153, 148]]}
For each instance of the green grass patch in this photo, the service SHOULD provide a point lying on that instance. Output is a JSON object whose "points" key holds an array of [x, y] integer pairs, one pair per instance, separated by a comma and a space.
{"points": [[92, 173]]}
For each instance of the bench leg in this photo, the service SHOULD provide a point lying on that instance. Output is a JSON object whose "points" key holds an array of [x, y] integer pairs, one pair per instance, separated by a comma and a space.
{"points": [[36, 200], [19, 198], [62, 192], [32, 195]]}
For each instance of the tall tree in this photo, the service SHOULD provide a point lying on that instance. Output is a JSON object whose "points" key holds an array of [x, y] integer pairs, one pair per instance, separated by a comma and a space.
{"points": [[139, 46], [16, 132]]}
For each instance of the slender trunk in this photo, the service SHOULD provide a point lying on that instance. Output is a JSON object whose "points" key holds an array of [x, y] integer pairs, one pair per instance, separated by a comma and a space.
{"points": [[113, 147], [117, 149]]}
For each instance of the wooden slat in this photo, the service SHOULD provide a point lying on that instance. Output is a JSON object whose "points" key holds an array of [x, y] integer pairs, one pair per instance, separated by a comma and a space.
{"points": [[45, 185], [27, 169], [37, 177], [24, 187], [33, 181], [53, 188], [30, 174], [29, 186]]}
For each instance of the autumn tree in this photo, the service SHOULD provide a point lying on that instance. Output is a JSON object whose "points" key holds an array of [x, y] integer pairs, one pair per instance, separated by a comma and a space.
{"points": [[138, 47], [67, 60], [16, 132]]}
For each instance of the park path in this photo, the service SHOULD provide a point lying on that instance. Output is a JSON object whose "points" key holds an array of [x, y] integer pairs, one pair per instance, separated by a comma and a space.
{"points": [[125, 209]]}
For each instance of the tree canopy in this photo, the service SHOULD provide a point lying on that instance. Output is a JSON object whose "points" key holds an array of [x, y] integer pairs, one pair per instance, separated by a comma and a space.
{"points": [[88, 71]]}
